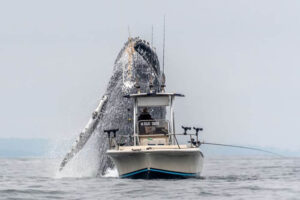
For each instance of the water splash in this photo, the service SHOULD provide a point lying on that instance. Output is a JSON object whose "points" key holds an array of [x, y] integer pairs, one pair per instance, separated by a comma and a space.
{"points": [[111, 172], [85, 163]]}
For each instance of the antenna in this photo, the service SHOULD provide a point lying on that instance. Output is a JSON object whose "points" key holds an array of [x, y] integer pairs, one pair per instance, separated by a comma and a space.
{"points": [[129, 31], [152, 36], [164, 44], [163, 77]]}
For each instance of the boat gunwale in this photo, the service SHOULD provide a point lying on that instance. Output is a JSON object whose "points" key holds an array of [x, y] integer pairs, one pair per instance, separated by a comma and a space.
{"points": [[155, 151]]}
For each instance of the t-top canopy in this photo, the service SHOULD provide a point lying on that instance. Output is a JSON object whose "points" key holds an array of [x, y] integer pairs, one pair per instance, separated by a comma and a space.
{"points": [[153, 99]]}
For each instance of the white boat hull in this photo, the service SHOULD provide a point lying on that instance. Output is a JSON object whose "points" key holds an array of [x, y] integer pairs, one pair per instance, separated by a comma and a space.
{"points": [[158, 163]]}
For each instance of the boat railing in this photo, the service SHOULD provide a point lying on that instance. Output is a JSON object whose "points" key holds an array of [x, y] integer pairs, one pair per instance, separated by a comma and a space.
{"points": [[114, 143]]}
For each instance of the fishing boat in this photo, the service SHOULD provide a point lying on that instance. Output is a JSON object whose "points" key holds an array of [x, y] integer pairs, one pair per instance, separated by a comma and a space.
{"points": [[155, 151]]}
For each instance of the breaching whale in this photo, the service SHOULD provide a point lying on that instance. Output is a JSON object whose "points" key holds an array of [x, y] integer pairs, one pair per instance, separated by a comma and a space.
{"points": [[136, 68]]}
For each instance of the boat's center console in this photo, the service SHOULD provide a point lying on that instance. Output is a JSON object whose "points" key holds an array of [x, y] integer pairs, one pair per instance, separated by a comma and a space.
{"points": [[153, 127], [153, 132], [153, 140]]}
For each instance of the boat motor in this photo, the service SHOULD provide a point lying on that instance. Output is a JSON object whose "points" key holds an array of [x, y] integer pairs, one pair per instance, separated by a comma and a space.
{"points": [[185, 128]]}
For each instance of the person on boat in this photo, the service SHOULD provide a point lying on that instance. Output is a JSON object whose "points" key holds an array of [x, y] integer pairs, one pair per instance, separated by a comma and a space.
{"points": [[145, 115]]}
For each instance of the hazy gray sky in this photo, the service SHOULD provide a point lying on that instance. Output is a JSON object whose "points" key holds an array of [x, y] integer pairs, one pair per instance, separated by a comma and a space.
{"points": [[236, 61]]}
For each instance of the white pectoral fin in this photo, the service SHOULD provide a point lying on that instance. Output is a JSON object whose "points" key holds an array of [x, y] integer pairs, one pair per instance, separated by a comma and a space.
{"points": [[85, 134]]}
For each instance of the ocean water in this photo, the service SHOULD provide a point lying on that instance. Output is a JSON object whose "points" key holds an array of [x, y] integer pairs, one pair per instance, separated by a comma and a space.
{"points": [[222, 178]]}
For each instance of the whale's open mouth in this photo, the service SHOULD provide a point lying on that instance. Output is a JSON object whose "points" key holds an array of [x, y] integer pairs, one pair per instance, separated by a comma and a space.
{"points": [[148, 54]]}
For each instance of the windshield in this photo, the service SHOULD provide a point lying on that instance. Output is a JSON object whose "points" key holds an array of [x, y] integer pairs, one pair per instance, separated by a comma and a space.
{"points": [[150, 127]]}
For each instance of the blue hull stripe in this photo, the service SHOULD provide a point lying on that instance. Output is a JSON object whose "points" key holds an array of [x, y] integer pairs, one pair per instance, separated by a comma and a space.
{"points": [[133, 173], [174, 173], [158, 170]]}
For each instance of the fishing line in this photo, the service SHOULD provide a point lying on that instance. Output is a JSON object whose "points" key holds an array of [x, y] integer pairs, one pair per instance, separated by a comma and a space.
{"points": [[242, 147]]}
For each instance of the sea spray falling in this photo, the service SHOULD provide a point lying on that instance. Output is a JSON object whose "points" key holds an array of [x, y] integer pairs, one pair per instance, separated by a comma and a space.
{"points": [[136, 64], [85, 163], [86, 133]]}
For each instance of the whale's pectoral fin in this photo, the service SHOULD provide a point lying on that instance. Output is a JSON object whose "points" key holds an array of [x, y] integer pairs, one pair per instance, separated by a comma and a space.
{"points": [[85, 134]]}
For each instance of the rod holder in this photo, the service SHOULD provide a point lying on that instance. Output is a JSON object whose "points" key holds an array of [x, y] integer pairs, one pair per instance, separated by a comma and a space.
{"points": [[163, 88], [138, 88], [112, 138], [185, 128], [114, 131], [197, 130], [151, 86]]}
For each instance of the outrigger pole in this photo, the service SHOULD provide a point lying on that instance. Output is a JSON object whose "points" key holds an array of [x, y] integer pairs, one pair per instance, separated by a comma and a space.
{"points": [[242, 147], [152, 36], [164, 44], [163, 77]]}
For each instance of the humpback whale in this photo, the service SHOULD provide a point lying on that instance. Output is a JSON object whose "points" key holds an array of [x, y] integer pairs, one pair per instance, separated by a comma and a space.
{"points": [[136, 68]]}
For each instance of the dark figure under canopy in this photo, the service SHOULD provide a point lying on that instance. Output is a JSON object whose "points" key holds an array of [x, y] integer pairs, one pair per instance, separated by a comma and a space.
{"points": [[145, 115]]}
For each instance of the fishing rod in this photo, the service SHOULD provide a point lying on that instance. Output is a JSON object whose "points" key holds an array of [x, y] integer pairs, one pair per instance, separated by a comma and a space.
{"points": [[198, 143], [242, 147]]}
